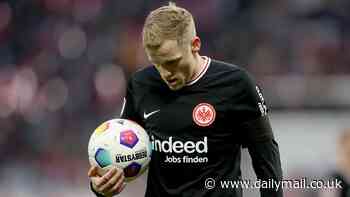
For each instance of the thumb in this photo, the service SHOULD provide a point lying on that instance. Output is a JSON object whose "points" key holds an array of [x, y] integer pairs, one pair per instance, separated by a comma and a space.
{"points": [[93, 171]]}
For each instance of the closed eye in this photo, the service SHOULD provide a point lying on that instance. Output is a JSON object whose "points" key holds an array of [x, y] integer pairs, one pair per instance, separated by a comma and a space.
{"points": [[172, 62]]}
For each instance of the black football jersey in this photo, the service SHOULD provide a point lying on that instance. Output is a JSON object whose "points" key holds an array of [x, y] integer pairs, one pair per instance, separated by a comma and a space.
{"points": [[197, 132]]}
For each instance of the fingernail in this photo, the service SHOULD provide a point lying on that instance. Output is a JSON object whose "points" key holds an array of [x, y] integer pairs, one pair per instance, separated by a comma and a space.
{"points": [[111, 172]]}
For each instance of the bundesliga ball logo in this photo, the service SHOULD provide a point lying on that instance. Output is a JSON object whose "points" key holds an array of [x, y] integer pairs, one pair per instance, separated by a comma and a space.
{"points": [[122, 143], [204, 114]]}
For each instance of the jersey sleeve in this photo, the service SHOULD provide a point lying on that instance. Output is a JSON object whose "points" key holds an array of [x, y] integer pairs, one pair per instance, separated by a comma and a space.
{"points": [[253, 112], [258, 136], [128, 110], [267, 165]]}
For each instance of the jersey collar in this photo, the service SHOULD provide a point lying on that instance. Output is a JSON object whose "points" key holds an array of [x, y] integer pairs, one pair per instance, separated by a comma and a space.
{"points": [[207, 61]]}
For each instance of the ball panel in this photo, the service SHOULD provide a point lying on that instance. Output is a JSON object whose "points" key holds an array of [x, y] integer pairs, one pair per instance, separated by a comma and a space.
{"points": [[128, 138], [103, 158], [132, 170], [102, 128]]}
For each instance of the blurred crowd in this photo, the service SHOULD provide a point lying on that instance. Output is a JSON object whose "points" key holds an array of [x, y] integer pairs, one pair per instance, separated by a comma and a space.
{"points": [[64, 65]]}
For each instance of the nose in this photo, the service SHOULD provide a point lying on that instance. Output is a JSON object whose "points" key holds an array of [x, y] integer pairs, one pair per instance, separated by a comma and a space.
{"points": [[166, 73]]}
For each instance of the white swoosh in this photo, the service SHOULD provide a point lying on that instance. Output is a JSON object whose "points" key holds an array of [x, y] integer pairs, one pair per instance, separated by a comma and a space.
{"points": [[145, 115]]}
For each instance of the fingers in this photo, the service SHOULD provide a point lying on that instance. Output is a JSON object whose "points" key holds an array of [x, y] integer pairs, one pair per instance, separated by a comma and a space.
{"points": [[105, 178], [110, 183], [118, 187], [115, 179], [92, 171]]}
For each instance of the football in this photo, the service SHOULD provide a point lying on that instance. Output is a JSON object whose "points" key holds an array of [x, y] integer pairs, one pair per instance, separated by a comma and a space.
{"points": [[122, 143]]}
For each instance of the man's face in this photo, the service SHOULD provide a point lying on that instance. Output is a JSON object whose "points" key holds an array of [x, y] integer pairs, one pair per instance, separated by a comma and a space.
{"points": [[173, 62]]}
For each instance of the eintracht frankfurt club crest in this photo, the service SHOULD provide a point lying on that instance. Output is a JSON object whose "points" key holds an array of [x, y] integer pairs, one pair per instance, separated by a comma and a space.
{"points": [[203, 114]]}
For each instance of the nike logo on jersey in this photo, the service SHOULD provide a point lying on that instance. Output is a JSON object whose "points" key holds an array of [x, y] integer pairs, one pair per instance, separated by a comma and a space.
{"points": [[145, 115]]}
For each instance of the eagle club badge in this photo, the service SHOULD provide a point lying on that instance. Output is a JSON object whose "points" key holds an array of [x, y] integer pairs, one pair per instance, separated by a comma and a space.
{"points": [[203, 114]]}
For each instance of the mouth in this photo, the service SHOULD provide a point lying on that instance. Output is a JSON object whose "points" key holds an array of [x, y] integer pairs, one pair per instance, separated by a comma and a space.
{"points": [[171, 81]]}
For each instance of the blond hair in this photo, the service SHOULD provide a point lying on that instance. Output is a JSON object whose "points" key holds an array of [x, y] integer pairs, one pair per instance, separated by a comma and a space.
{"points": [[168, 23]]}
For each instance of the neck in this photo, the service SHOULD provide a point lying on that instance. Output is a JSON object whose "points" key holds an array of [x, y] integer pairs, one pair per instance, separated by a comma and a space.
{"points": [[198, 63]]}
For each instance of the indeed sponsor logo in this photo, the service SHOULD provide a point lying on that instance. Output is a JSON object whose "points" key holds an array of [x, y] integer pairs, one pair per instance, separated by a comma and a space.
{"points": [[176, 146]]}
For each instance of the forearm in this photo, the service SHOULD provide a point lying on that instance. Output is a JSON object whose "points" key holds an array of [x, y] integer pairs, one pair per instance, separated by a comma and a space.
{"points": [[266, 163]]}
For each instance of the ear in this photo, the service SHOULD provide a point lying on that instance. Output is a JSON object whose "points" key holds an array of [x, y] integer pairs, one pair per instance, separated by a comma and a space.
{"points": [[196, 44]]}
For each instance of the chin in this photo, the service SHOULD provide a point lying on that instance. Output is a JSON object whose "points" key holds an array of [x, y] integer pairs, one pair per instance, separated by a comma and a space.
{"points": [[176, 87]]}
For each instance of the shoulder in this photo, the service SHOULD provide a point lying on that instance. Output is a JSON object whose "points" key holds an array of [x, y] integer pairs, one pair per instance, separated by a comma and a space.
{"points": [[228, 68], [146, 77], [237, 75], [221, 65]]}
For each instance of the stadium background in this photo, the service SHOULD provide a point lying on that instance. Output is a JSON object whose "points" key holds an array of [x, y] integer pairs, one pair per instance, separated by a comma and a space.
{"points": [[63, 66]]}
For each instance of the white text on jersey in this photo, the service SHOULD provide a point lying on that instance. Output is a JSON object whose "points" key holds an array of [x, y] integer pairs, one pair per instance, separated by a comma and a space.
{"points": [[177, 146]]}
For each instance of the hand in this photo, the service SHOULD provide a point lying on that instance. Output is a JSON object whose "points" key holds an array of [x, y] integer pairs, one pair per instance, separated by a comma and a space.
{"points": [[110, 184]]}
